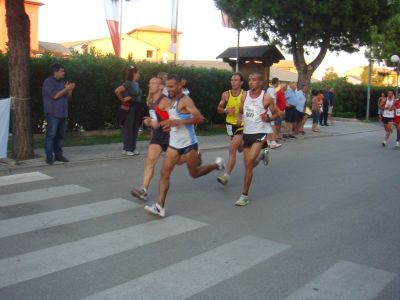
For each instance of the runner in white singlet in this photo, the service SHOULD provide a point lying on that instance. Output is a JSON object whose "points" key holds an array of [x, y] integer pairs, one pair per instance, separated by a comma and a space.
{"points": [[257, 109], [183, 114]]}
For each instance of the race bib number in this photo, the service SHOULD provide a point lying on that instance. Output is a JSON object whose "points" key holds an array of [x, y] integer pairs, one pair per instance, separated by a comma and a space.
{"points": [[398, 112], [229, 129], [250, 112], [153, 115]]}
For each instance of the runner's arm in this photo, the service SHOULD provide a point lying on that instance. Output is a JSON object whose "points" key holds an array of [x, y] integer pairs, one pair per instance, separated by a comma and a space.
{"points": [[221, 108]]}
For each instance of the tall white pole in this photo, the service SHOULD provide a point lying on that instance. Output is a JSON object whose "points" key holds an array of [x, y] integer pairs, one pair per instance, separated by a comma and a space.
{"points": [[237, 51], [120, 27], [369, 88]]}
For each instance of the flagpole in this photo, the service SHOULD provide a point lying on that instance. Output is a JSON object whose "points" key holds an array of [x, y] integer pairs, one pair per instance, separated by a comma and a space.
{"points": [[237, 51], [120, 27]]}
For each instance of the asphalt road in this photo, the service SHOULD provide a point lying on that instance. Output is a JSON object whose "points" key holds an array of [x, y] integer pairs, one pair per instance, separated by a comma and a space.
{"points": [[323, 223]]}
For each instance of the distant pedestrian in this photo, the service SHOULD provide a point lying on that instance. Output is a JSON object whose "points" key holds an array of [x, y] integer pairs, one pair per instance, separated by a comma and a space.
{"points": [[56, 93], [129, 93], [330, 107], [290, 111], [380, 100], [315, 108], [323, 119], [300, 107], [271, 137]]}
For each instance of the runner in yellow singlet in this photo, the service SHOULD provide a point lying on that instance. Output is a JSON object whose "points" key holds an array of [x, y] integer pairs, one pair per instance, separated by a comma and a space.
{"points": [[229, 105]]}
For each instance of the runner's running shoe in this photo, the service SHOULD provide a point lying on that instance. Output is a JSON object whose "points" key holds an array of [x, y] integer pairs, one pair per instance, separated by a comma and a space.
{"points": [[222, 180], [155, 209], [243, 200], [139, 193]]}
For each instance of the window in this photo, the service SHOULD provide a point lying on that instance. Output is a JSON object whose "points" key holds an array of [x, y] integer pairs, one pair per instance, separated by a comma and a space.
{"points": [[149, 54]]}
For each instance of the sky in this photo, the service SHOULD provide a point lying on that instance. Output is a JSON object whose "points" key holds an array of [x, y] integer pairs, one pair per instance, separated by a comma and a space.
{"points": [[203, 37]]}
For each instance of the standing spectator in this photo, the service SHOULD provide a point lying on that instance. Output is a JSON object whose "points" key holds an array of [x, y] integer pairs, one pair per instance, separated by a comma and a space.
{"points": [[290, 111], [315, 108], [271, 137], [56, 93], [129, 94], [330, 108], [280, 107], [380, 100], [323, 119], [300, 107]]}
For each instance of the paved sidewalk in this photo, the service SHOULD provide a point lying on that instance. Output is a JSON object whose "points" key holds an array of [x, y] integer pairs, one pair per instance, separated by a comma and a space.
{"points": [[85, 154]]}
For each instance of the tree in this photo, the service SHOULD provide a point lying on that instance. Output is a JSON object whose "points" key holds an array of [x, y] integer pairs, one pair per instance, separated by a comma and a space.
{"points": [[330, 74], [18, 29], [385, 40], [298, 26]]}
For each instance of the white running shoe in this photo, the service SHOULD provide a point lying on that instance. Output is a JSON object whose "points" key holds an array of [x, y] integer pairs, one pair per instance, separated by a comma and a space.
{"points": [[155, 209], [139, 193], [243, 200], [274, 145], [397, 144], [219, 162], [265, 157]]}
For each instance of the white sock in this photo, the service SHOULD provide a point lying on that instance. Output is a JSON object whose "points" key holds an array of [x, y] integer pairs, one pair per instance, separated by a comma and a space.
{"points": [[144, 189], [226, 175]]}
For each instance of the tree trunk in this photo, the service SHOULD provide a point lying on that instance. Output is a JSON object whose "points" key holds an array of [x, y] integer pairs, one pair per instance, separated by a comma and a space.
{"points": [[18, 50], [305, 71]]}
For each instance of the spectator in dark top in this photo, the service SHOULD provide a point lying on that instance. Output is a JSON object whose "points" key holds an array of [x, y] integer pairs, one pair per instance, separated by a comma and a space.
{"points": [[56, 93], [323, 118], [129, 94], [330, 109]]}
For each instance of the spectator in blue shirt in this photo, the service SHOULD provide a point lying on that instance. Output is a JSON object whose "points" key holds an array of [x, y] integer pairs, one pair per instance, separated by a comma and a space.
{"points": [[300, 107], [56, 92], [290, 111]]}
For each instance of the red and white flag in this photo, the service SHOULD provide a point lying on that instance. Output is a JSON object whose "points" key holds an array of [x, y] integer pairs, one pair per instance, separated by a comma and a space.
{"points": [[226, 20], [111, 8]]}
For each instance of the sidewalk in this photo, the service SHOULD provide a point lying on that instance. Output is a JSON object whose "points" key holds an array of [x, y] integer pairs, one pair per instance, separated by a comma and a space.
{"points": [[85, 154]]}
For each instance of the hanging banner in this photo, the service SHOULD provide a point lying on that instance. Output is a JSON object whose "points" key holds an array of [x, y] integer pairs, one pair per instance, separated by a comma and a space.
{"points": [[5, 105], [111, 8], [226, 21]]}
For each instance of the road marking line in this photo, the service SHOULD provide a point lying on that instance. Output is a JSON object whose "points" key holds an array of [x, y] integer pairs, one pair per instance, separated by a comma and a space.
{"points": [[22, 178], [345, 280], [196, 274], [64, 216], [41, 194], [46, 261]]}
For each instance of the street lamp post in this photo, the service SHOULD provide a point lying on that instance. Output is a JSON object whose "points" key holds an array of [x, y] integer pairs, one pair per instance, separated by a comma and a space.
{"points": [[396, 59]]}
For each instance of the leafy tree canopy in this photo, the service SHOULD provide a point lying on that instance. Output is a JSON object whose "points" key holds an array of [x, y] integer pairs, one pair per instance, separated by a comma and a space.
{"points": [[335, 25]]}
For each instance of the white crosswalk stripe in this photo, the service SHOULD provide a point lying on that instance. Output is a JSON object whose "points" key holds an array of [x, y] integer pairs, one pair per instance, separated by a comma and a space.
{"points": [[23, 178], [42, 262], [41, 194], [40, 221], [345, 280], [194, 275]]}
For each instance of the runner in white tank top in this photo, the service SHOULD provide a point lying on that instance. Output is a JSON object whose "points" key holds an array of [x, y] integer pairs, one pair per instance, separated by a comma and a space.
{"points": [[256, 108], [183, 114], [388, 114]]}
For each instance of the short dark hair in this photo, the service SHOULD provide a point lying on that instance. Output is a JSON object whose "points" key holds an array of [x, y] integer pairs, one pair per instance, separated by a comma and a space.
{"points": [[238, 74], [314, 92], [274, 80], [175, 77], [132, 70], [55, 68]]}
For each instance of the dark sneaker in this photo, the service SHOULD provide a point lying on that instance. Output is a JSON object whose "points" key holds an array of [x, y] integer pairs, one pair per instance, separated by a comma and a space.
{"points": [[49, 161], [61, 158], [139, 193]]}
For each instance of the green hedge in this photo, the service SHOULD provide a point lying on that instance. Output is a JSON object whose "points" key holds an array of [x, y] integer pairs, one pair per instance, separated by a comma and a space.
{"points": [[94, 104]]}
